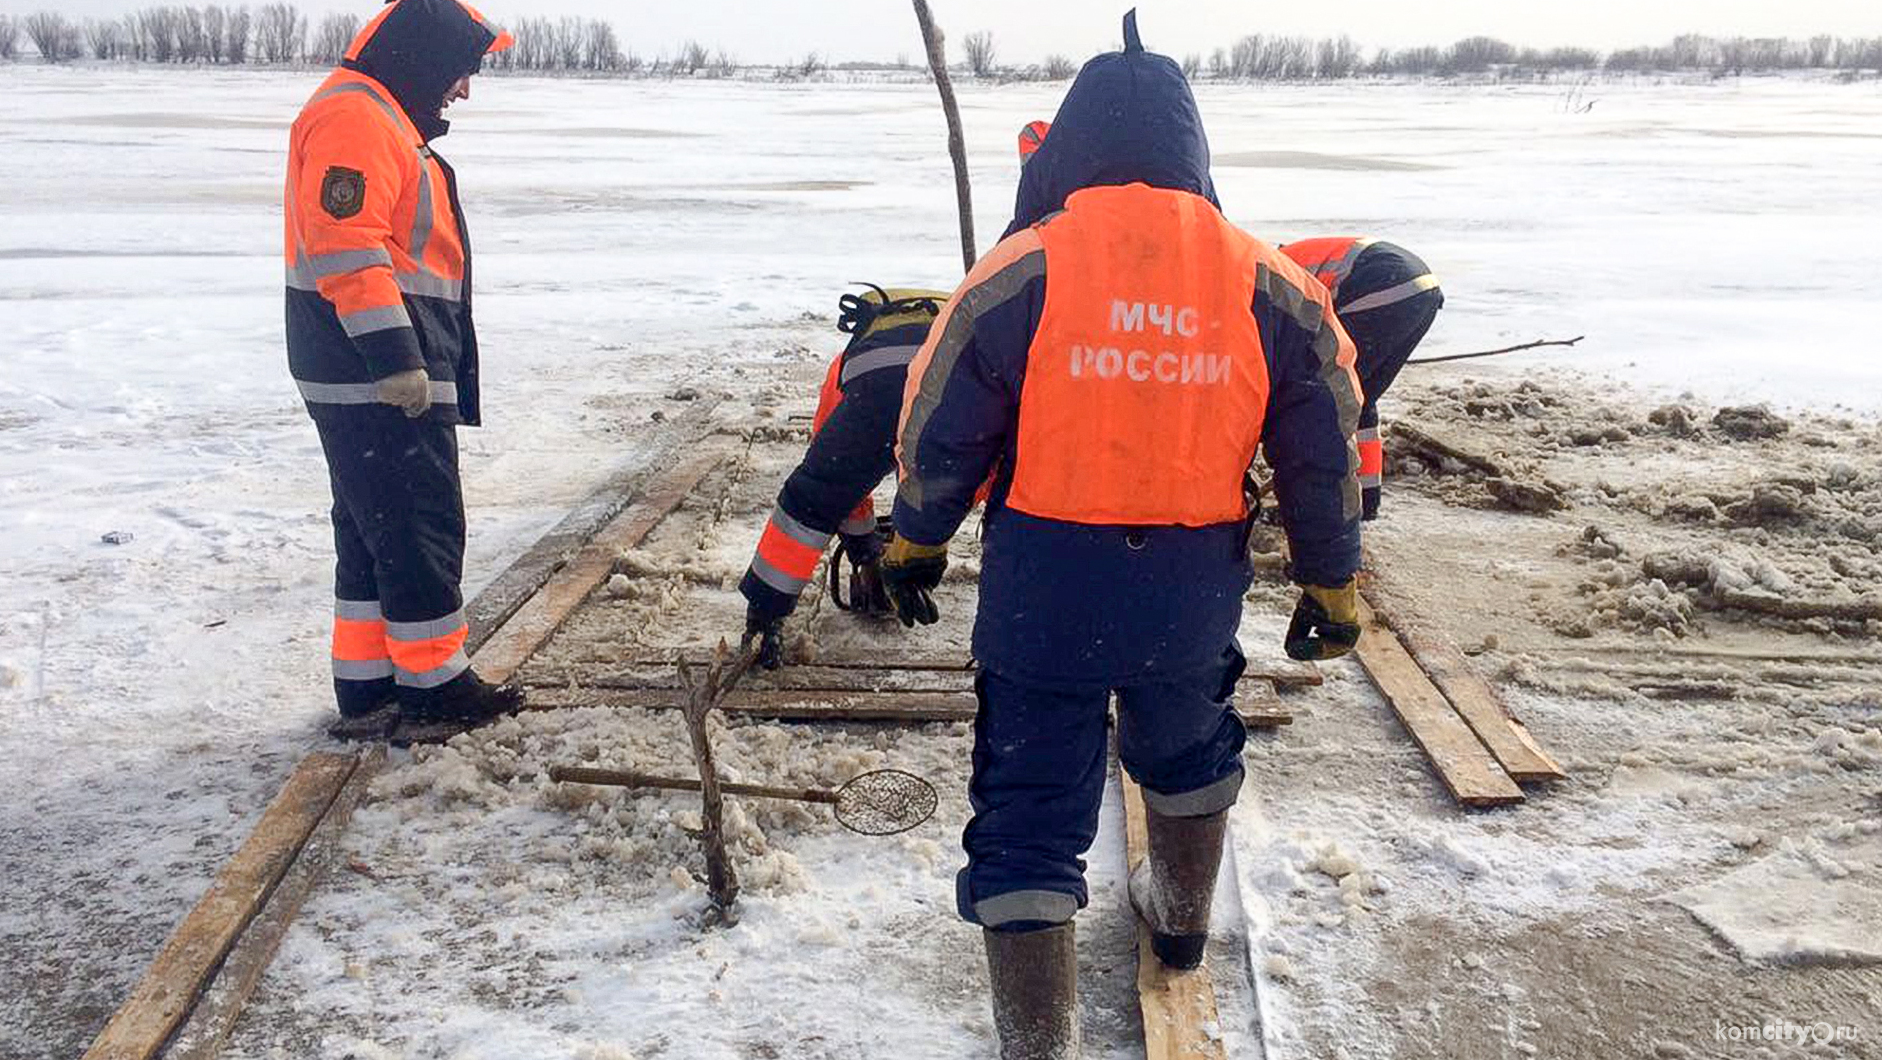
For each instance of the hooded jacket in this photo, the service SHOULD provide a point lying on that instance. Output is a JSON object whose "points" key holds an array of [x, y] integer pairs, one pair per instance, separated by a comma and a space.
{"points": [[1105, 590], [377, 253]]}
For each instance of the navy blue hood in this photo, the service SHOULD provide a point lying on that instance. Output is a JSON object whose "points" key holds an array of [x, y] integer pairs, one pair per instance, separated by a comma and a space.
{"points": [[1129, 118], [418, 52]]}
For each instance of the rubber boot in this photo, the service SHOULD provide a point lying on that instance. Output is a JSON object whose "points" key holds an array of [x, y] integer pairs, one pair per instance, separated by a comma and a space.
{"points": [[1035, 992], [1173, 887]]}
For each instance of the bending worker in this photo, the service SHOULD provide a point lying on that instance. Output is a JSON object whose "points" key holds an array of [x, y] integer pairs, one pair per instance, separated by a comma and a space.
{"points": [[381, 345], [852, 449], [1119, 357], [1386, 298]]}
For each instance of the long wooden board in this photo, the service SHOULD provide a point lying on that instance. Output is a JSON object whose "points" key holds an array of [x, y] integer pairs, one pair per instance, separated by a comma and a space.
{"points": [[1469, 771], [213, 1019], [780, 705], [841, 672], [161, 1000], [537, 620], [1179, 1013], [1482, 709]]}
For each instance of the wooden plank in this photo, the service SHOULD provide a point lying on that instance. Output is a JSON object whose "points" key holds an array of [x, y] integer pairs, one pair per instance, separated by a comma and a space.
{"points": [[1179, 1013], [783, 706], [537, 620], [163, 997], [213, 1019], [1467, 768], [1482, 709], [1259, 706], [835, 669], [814, 678], [557, 548]]}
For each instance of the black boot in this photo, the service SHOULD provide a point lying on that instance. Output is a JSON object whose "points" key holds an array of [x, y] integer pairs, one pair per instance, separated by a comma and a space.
{"points": [[368, 710], [465, 699], [1035, 992], [1174, 886]]}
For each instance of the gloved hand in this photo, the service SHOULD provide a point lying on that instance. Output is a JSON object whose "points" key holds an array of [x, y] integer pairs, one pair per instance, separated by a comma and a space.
{"points": [[768, 631], [1326, 623], [409, 390], [910, 573]]}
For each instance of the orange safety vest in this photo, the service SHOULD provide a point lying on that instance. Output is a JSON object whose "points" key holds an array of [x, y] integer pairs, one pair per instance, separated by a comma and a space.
{"points": [[1146, 383], [1032, 137], [1329, 258]]}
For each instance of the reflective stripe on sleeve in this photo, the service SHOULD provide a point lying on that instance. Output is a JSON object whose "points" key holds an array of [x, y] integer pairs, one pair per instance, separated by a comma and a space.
{"points": [[365, 393], [1391, 295], [776, 578], [306, 273], [367, 321]]}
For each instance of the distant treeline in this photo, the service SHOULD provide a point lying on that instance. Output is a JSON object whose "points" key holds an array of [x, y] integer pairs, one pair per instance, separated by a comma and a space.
{"points": [[280, 33]]}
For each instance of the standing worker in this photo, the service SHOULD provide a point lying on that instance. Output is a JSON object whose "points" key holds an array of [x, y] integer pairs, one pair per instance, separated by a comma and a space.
{"points": [[1386, 298], [852, 449], [1120, 357], [381, 345]]}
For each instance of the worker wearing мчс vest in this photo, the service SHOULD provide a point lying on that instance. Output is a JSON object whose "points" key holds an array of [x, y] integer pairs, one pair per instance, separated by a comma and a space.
{"points": [[852, 449], [382, 348], [1121, 356], [1386, 298]]}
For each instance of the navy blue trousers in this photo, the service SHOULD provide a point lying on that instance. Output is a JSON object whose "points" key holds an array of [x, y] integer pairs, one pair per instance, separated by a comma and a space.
{"points": [[1041, 754]]}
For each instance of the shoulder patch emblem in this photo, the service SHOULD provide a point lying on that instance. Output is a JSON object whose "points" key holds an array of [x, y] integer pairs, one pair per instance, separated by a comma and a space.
{"points": [[343, 192]]}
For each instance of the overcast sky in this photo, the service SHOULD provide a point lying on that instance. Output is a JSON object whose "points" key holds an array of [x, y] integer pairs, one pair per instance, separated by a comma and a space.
{"points": [[1028, 30]]}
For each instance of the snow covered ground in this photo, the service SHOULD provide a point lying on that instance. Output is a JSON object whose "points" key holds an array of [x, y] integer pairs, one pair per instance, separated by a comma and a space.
{"points": [[635, 237]]}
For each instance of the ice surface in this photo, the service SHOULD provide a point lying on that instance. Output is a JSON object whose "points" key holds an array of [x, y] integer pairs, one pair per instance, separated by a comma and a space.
{"points": [[1799, 904], [634, 236]]}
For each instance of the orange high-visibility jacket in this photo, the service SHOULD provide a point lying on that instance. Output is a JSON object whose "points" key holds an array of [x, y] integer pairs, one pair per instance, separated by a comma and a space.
{"points": [[377, 255]]}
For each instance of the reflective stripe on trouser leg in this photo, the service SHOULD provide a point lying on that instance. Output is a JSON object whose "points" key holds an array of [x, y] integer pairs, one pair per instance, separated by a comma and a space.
{"points": [[428, 653], [359, 642]]}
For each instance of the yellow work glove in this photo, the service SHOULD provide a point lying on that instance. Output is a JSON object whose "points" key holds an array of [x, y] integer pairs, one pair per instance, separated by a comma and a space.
{"points": [[1326, 622], [910, 573], [409, 390]]}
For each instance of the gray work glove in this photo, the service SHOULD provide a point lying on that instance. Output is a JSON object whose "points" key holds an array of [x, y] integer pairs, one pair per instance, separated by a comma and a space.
{"points": [[409, 390]]}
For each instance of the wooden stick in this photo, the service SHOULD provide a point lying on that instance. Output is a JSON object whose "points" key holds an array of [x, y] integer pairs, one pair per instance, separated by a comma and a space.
{"points": [[1469, 771], [702, 696], [213, 1019], [957, 140], [170, 986], [1538, 344], [618, 778], [1178, 1008], [1283, 672]]}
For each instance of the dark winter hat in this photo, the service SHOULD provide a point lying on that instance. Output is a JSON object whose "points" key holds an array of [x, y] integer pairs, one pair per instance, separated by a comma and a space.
{"points": [[1129, 118], [418, 49]]}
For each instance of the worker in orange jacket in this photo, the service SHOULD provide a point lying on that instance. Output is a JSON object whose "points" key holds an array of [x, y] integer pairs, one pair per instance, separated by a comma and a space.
{"points": [[1119, 358], [382, 347], [1387, 298]]}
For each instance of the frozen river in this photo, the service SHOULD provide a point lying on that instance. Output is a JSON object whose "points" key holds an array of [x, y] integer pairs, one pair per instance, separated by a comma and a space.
{"points": [[635, 236]]}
